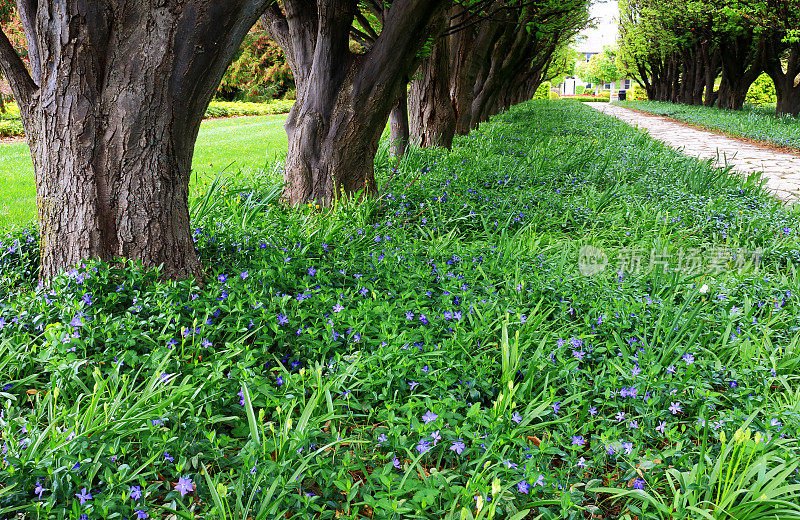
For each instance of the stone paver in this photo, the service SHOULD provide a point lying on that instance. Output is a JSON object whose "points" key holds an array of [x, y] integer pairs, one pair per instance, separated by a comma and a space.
{"points": [[781, 170]]}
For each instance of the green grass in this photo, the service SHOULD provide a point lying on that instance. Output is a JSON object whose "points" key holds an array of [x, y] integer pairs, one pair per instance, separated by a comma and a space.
{"points": [[440, 353], [231, 144], [756, 123]]}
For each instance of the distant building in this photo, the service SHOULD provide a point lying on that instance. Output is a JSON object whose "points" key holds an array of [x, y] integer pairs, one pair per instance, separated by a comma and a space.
{"points": [[591, 41]]}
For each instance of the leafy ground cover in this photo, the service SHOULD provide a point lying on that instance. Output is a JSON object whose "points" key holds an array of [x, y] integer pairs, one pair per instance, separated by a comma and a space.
{"points": [[11, 126], [757, 123], [222, 144], [496, 337]]}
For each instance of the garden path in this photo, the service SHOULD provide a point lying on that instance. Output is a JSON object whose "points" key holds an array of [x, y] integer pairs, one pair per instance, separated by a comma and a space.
{"points": [[780, 169]]}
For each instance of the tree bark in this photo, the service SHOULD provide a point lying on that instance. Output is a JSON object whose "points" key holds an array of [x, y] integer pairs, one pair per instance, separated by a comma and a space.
{"points": [[431, 113], [124, 86], [742, 63], [398, 125], [343, 99], [787, 83]]}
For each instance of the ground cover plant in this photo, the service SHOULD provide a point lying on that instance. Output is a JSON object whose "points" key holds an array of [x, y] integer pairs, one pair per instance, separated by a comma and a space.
{"points": [[222, 145], [757, 123], [458, 348]]}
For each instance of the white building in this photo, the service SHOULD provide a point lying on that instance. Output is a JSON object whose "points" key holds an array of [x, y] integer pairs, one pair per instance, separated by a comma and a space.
{"points": [[605, 14]]}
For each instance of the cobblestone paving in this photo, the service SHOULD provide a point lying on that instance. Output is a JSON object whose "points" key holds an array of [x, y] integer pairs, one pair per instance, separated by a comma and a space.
{"points": [[780, 169]]}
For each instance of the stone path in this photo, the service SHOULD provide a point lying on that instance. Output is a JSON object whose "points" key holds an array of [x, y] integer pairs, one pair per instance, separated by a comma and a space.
{"points": [[782, 170]]}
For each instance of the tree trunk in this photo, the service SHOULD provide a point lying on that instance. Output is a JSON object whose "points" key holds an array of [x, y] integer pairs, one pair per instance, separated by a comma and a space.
{"points": [[742, 63], [344, 100], [111, 121], [398, 125], [431, 113], [787, 83], [788, 97], [102, 195]]}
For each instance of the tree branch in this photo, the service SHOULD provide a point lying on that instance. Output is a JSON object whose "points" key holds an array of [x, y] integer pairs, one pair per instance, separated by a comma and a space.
{"points": [[27, 15], [14, 69]]}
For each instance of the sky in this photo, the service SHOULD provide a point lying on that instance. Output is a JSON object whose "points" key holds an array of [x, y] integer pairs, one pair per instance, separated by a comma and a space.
{"points": [[606, 13]]}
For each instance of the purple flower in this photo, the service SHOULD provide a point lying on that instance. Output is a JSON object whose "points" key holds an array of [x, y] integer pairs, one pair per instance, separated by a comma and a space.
{"points": [[84, 495], [244, 274], [409, 315], [578, 440], [662, 426], [141, 514], [279, 381], [620, 416], [312, 271], [675, 408], [338, 307], [282, 319], [436, 437], [429, 417], [688, 358], [423, 446], [523, 487], [539, 481], [413, 385], [396, 462], [382, 437], [671, 369], [423, 319], [636, 370], [517, 418], [136, 492], [222, 278], [168, 457], [458, 446], [581, 463], [578, 355], [593, 410], [628, 446], [633, 425], [638, 483], [184, 485], [38, 490], [556, 407]]}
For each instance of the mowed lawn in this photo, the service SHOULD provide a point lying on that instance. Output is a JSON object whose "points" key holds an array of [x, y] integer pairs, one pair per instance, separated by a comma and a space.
{"points": [[231, 144]]}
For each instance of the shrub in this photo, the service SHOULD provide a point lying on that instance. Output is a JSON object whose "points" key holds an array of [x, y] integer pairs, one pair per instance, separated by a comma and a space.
{"points": [[579, 90], [637, 93], [243, 108], [762, 92], [260, 73], [542, 91], [11, 128]]}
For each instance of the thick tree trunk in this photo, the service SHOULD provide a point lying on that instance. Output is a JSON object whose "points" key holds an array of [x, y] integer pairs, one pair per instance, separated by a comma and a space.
{"points": [[787, 82], [102, 195], [111, 119], [344, 100], [469, 51], [711, 68], [431, 113], [398, 125], [742, 62], [732, 95], [788, 98]]}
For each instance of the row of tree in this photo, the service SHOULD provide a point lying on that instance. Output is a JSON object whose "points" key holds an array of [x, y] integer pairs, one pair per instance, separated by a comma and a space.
{"points": [[678, 50], [113, 93]]}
